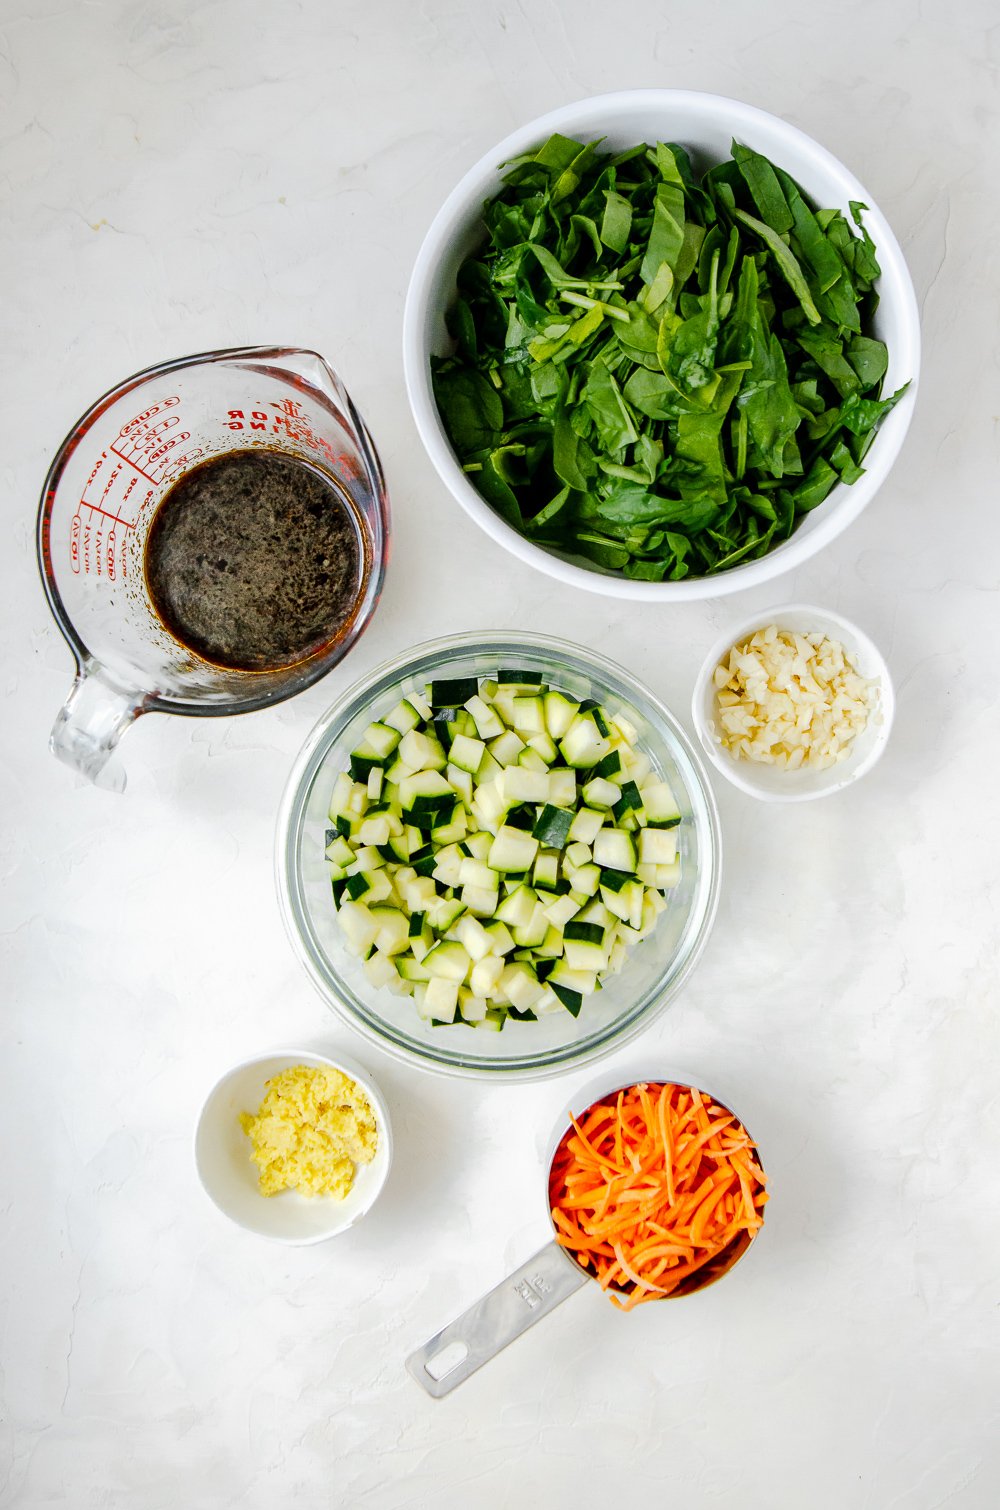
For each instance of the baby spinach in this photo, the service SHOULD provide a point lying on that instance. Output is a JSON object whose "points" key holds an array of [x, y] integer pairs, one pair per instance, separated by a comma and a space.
{"points": [[659, 374]]}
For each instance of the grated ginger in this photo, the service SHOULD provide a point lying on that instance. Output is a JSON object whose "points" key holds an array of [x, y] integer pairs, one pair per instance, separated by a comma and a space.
{"points": [[791, 700], [311, 1131]]}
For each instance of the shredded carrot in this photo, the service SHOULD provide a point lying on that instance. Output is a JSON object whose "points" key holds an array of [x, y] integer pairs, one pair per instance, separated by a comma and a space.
{"points": [[651, 1185]]}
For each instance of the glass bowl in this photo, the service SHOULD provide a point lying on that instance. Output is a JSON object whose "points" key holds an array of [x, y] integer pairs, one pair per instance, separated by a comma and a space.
{"points": [[657, 967]]}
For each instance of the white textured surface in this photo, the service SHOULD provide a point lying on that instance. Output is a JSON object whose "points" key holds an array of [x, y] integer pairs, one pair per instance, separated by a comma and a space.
{"points": [[180, 174]]}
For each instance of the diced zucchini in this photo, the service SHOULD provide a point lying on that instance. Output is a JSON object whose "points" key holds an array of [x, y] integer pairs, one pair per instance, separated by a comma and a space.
{"points": [[467, 753], [529, 716], [562, 788], [552, 826], [658, 846], [440, 1001], [517, 909], [583, 744], [586, 825], [482, 882], [614, 849], [560, 712], [449, 960], [506, 748], [661, 807], [512, 850], [600, 793], [488, 724], [520, 785]]}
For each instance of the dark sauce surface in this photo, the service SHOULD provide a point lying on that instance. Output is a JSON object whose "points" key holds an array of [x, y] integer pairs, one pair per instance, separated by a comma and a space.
{"points": [[254, 560]]}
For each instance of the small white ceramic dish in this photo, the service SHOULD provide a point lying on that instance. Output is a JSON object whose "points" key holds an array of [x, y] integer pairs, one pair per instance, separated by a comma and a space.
{"points": [[229, 1176], [706, 125], [769, 783]]}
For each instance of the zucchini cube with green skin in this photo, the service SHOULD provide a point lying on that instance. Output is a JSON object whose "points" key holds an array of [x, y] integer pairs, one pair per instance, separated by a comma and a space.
{"points": [[422, 752], [576, 854], [521, 785], [513, 850], [461, 782], [544, 746], [561, 910], [614, 849], [477, 873], [530, 760], [532, 933], [472, 1008], [584, 880], [529, 715], [506, 748], [521, 985], [403, 717], [375, 831], [485, 974], [488, 723], [582, 981], [546, 869], [560, 712], [453, 831], [601, 793], [339, 852], [473, 937], [478, 844], [449, 960], [382, 739], [440, 1000], [500, 936], [444, 913], [658, 846], [583, 744], [358, 925], [586, 825], [562, 788], [467, 753], [381, 972], [489, 805], [480, 900], [340, 796], [660, 804], [393, 936], [517, 909]]}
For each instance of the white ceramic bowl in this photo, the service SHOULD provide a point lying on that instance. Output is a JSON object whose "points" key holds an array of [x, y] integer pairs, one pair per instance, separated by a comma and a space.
{"points": [[706, 124], [767, 782], [229, 1176]]}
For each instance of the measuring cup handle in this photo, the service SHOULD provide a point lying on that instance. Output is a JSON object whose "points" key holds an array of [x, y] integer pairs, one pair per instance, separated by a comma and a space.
{"points": [[523, 1298], [90, 724]]}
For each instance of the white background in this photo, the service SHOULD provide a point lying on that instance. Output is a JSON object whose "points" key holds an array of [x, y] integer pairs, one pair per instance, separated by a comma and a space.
{"points": [[183, 174]]}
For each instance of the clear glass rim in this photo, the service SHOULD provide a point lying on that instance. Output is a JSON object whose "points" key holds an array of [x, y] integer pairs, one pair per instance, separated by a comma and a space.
{"points": [[341, 1000], [86, 661]]}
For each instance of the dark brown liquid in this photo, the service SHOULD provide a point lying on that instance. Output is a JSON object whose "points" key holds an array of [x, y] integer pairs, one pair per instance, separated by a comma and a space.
{"points": [[254, 560]]}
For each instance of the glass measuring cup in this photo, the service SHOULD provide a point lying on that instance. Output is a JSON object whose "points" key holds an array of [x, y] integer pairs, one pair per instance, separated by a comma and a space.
{"points": [[102, 491], [549, 1277]]}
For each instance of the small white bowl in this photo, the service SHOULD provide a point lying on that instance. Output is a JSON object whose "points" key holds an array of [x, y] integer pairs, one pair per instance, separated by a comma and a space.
{"points": [[706, 124], [229, 1176], [770, 783]]}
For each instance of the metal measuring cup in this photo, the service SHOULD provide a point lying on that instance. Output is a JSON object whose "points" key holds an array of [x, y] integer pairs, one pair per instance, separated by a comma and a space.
{"points": [[102, 490], [547, 1279]]}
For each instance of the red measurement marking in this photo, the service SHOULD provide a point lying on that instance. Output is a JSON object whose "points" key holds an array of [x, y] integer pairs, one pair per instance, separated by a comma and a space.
{"points": [[128, 524], [131, 463]]}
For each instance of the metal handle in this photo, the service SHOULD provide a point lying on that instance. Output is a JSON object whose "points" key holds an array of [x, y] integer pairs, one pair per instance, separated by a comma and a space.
{"points": [[485, 1329], [90, 724]]}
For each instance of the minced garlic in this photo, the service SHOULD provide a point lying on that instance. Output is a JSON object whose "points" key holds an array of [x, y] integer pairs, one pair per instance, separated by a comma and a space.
{"points": [[313, 1127], [791, 700]]}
